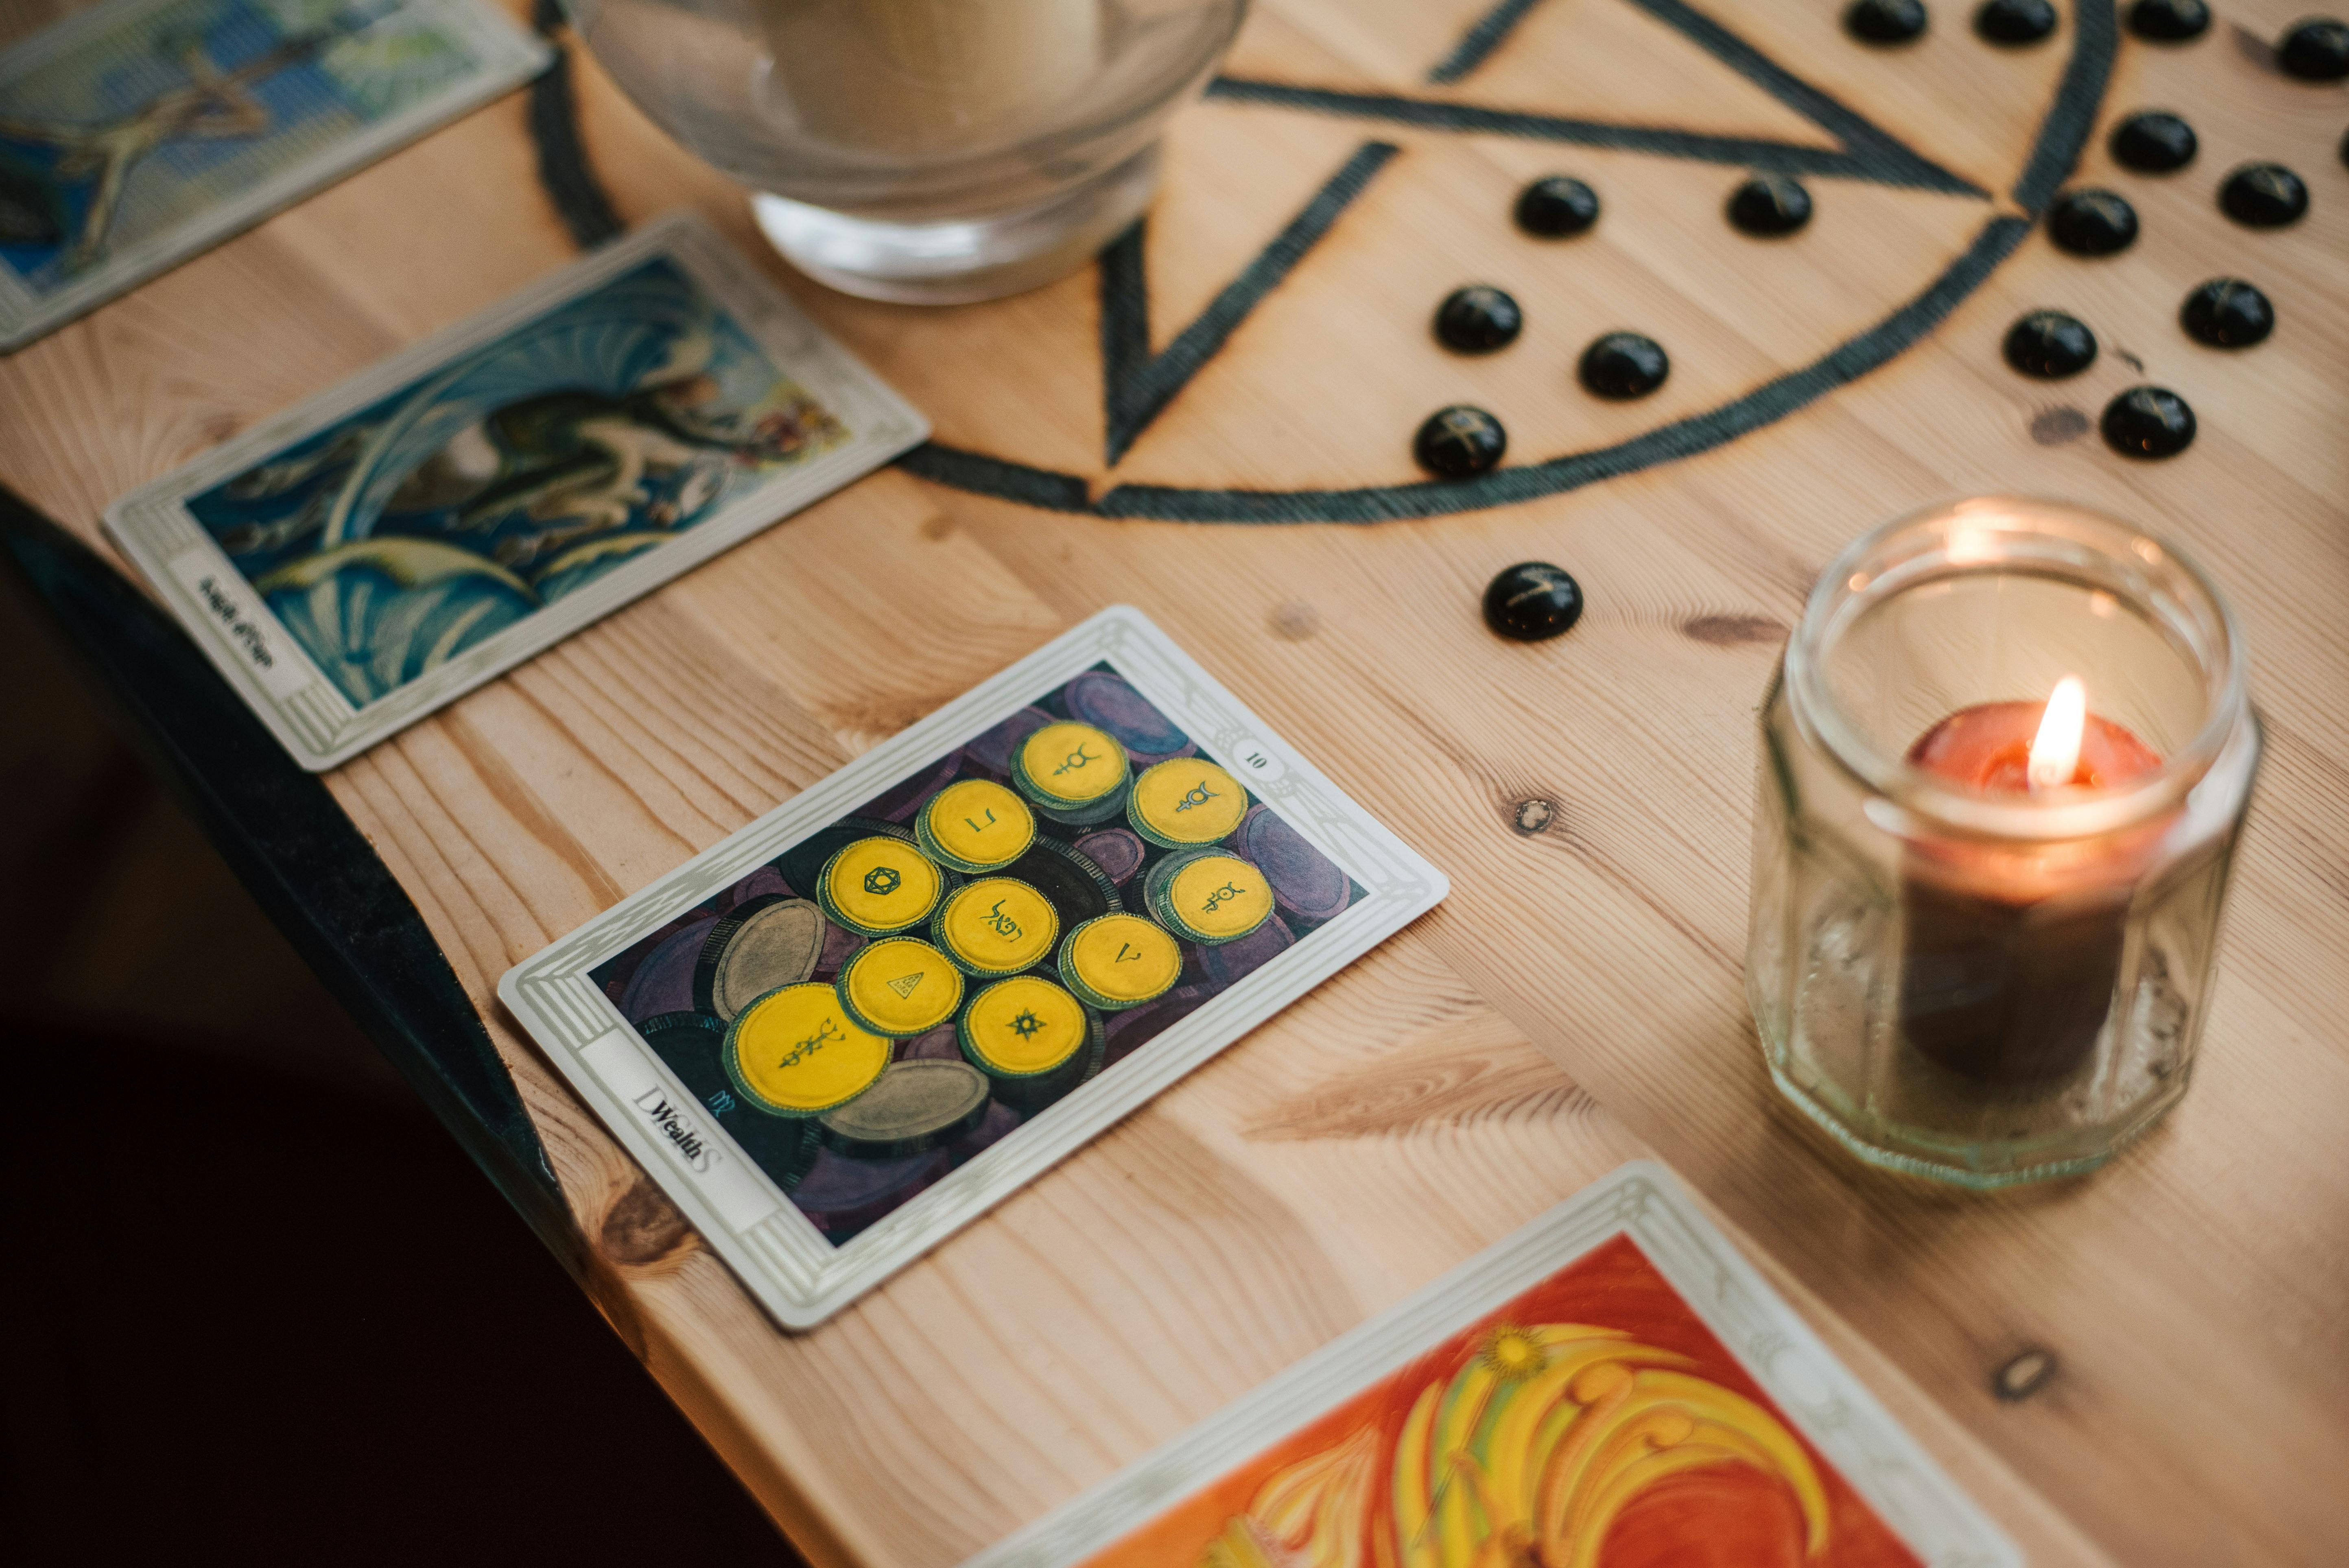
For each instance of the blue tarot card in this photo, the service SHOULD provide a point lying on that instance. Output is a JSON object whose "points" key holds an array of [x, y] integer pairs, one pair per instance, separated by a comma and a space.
{"points": [[367, 556], [136, 133]]}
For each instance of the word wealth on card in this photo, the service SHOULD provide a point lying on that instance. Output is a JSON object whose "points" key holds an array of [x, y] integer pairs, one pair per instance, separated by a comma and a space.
{"points": [[873, 1014]]}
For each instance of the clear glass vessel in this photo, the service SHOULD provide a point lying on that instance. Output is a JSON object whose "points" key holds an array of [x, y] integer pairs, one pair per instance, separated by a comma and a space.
{"points": [[1985, 986], [930, 151]]}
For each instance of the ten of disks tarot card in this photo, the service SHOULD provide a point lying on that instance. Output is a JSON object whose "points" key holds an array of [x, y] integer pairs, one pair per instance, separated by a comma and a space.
{"points": [[868, 1016]]}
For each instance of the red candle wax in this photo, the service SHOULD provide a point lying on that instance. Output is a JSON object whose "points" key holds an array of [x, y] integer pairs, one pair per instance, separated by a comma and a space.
{"points": [[1987, 748], [2010, 952]]}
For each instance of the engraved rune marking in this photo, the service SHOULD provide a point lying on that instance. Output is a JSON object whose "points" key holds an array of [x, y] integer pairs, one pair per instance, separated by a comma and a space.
{"points": [[882, 881], [1126, 953], [813, 1044], [1215, 898], [980, 827], [1199, 795], [1540, 582], [1002, 923], [903, 984], [1026, 1024], [1075, 759]]}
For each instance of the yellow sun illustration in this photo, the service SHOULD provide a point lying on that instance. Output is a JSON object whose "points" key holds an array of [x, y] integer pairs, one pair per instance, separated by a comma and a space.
{"points": [[1512, 1354]]}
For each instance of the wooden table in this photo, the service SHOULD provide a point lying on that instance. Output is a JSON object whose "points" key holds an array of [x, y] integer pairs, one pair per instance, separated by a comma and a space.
{"points": [[1577, 1001]]}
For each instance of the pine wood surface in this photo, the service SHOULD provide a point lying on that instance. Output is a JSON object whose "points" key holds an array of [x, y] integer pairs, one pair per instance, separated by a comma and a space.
{"points": [[1578, 1000]]}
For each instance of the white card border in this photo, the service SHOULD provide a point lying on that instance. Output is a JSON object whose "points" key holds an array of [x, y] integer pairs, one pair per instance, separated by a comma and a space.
{"points": [[801, 1278], [1833, 1409], [505, 56], [317, 723]]}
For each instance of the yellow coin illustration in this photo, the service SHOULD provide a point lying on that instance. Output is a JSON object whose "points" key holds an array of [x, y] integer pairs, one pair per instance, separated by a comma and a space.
{"points": [[997, 925], [1072, 764], [797, 1052], [976, 825], [1214, 898], [1022, 1026], [879, 884], [1120, 961], [902, 987], [1185, 801]]}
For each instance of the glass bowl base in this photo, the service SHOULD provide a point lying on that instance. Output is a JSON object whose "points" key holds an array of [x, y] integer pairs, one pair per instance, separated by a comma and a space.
{"points": [[960, 261]]}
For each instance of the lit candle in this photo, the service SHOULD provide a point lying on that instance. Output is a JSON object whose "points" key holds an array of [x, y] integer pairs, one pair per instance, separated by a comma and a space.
{"points": [[1984, 927], [2011, 950]]}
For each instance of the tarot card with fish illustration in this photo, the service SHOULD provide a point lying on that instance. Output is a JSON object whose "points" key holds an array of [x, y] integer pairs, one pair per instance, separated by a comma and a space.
{"points": [[136, 133], [362, 560], [878, 1010], [1611, 1386]]}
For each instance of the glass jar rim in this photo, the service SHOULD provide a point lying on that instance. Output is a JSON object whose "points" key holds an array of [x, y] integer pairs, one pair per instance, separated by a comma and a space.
{"points": [[2042, 538]]}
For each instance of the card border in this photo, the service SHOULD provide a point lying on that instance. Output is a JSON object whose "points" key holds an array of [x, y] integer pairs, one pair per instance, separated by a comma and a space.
{"points": [[1642, 1201], [801, 1278], [505, 58], [317, 723]]}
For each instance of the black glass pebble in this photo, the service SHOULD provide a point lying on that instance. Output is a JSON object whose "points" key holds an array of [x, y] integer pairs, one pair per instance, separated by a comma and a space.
{"points": [[1532, 600], [2012, 23], [2168, 21], [1459, 442], [2227, 312], [1624, 365], [2263, 196], [2148, 422], [1885, 21], [1557, 207], [2154, 141], [2050, 345], [1478, 319], [2316, 49], [2091, 222], [1769, 205]]}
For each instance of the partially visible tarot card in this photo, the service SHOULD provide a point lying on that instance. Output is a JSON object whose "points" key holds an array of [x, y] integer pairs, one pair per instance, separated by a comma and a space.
{"points": [[1613, 1384], [138, 132], [374, 553], [868, 1017]]}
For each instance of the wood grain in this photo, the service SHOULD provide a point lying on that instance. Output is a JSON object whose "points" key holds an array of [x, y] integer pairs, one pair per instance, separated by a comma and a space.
{"points": [[1578, 1000]]}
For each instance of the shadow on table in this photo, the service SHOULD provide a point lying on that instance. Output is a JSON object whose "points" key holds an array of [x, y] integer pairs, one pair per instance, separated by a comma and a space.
{"points": [[254, 1298]]}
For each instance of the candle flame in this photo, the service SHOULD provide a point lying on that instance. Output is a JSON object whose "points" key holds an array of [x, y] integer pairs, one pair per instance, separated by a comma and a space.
{"points": [[2055, 750]]}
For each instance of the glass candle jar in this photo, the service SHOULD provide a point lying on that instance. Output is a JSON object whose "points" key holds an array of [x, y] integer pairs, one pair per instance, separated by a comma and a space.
{"points": [[2004, 761], [929, 151]]}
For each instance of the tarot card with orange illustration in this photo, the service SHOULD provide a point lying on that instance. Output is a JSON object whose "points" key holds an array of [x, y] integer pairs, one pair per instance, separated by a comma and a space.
{"points": [[1613, 1387]]}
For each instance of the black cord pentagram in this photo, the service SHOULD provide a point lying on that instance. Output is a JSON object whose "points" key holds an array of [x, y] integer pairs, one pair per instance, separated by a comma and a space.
{"points": [[1138, 386]]}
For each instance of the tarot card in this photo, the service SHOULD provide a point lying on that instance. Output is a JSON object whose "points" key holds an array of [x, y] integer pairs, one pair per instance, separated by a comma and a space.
{"points": [[1611, 1384], [357, 563], [878, 1010], [136, 133]]}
